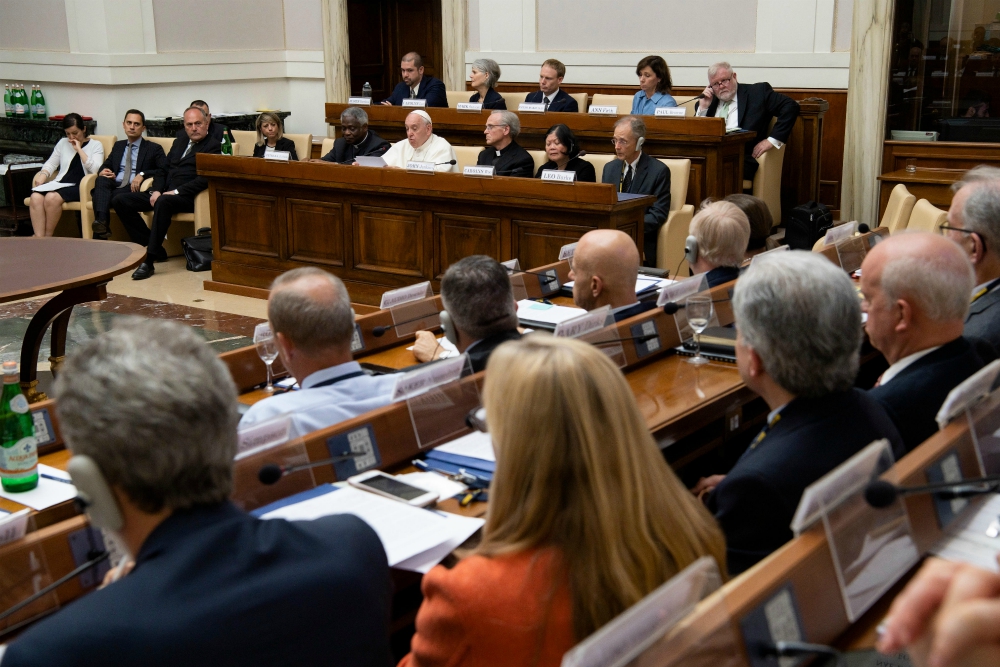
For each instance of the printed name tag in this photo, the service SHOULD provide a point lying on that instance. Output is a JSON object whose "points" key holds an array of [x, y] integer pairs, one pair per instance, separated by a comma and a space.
{"points": [[359, 101], [583, 324], [529, 107], [434, 375], [280, 156], [414, 103], [14, 526], [685, 288], [670, 111], [512, 265], [469, 106], [557, 176], [265, 434], [603, 110], [420, 167], [478, 172], [566, 252], [966, 394], [839, 233], [403, 295]]}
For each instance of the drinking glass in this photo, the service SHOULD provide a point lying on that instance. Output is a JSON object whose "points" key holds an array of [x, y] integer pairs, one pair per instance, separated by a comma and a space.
{"points": [[699, 312], [267, 349]]}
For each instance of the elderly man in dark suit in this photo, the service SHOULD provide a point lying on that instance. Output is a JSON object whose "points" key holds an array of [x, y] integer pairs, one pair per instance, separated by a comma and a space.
{"points": [[748, 107], [416, 85], [916, 289], [799, 336], [974, 224], [131, 161], [210, 584], [634, 172], [502, 151], [173, 191], [357, 139], [549, 79]]}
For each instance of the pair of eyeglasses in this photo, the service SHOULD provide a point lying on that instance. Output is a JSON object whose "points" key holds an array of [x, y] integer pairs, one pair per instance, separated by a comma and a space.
{"points": [[944, 229], [721, 82], [619, 142], [494, 127]]}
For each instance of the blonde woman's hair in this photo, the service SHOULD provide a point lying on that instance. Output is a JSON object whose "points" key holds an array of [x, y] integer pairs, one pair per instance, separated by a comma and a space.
{"points": [[578, 470], [274, 118], [723, 233]]}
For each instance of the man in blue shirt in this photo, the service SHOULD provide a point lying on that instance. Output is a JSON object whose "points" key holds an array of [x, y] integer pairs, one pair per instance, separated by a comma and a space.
{"points": [[417, 86]]}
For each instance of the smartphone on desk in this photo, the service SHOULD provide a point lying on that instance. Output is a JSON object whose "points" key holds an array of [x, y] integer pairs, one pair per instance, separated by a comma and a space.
{"points": [[378, 482]]}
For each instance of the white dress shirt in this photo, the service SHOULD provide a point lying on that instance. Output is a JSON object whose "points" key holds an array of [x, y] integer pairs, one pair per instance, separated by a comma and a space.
{"points": [[732, 118], [436, 149], [902, 364], [313, 408]]}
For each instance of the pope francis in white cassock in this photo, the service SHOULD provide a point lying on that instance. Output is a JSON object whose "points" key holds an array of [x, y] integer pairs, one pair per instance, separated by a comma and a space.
{"points": [[421, 145]]}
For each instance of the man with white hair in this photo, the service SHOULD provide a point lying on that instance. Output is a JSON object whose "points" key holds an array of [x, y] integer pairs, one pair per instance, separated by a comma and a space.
{"points": [[916, 290], [717, 242], [974, 224], [748, 107], [798, 346], [502, 151], [421, 145]]}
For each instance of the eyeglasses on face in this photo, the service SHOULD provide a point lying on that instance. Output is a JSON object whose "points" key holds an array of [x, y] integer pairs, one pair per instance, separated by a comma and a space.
{"points": [[721, 82], [619, 142], [944, 229], [494, 127]]}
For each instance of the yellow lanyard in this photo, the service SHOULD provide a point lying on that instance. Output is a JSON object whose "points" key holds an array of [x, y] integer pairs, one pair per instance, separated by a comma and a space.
{"points": [[763, 432]]}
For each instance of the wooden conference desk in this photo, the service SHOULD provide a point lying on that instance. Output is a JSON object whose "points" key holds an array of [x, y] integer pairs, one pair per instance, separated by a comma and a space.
{"points": [[379, 229], [716, 158]]}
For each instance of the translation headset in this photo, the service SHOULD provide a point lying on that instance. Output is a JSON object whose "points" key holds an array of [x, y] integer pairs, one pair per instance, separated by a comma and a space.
{"points": [[691, 250], [639, 142], [94, 493], [449, 328]]}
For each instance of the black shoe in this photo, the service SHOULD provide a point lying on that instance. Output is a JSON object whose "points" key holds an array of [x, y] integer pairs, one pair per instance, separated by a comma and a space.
{"points": [[101, 230], [144, 271]]}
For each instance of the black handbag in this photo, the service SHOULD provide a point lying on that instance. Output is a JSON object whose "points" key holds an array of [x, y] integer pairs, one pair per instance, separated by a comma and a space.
{"points": [[805, 225], [198, 250]]}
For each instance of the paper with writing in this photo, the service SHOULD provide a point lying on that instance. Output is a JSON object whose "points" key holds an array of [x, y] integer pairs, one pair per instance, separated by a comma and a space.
{"points": [[584, 324], [566, 252], [427, 377], [557, 176], [531, 107], [265, 434], [359, 101], [397, 297], [670, 112], [478, 171], [414, 103], [475, 445], [603, 110], [469, 106]]}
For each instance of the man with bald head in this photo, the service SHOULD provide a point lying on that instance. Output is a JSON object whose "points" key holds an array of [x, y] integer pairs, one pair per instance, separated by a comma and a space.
{"points": [[916, 290], [604, 269], [313, 322], [421, 145]]}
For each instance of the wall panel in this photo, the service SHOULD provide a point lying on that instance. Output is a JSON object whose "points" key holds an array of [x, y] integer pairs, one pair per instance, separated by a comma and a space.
{"points": [[33, 25], [219, 25]]}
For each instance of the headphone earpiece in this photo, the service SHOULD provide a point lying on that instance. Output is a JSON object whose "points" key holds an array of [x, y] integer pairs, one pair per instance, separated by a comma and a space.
{"points": [[691, 250], [449, 328], [639, 142], [94, 493]]}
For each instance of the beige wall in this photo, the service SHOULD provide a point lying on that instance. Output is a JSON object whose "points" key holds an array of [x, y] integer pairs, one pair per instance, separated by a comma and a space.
{"points": [[303, 25], [20, 27], [219, 25]]}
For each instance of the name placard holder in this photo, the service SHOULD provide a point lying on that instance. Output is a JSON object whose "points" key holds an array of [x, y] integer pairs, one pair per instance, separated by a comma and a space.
{"points": [[517, 285], [531, 107], [398, 297], [670, 112], [414, 103], [839, 233], [780, 248], [249, 492], [265, 434], [414, 167], [438, 399], [682, 289], [602, 110], [967, 394], [469, 107], [476, 171], [557, 176], [359, 101], [566, 252], [14, 526], [412, 309], [984, 426], [278, 156], [597, 328]]}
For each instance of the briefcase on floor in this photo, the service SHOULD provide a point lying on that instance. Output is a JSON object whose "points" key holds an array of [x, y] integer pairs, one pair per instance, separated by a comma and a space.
{"points": [[806, 224], [198, 250]]}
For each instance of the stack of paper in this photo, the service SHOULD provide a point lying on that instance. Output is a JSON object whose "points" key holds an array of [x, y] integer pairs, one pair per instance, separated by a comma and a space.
{"points": [[643, 284], [975, 538], [544, 315]]}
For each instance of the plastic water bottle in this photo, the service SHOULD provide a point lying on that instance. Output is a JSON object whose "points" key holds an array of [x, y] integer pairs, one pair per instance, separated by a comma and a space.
{"points": [[18, 447], [366, 90], [8, 107]]}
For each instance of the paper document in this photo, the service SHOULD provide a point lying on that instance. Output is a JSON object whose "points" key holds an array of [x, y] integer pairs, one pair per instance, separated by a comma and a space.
{"points": [[967, 539], [50, 186], [475, 445], [48, 493], [542, 313], [370, 161], [434, 482], [462, 528]]}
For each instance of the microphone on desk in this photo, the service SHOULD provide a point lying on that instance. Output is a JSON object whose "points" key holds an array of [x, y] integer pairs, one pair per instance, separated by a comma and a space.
{"points": [[380, 330], [94, 558], [272, 472], [880, 493], [673, 307], [863, 228], [448, 162], [696, 97]]}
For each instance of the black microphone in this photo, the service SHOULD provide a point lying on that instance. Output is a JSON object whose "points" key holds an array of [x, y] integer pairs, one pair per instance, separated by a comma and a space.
{"points": [[272, 472], [863, 228], [448, 162], [380, 330], [696, 97], [546, 279], [95, 559], [641, 339], [880, 493], [673, 307]]}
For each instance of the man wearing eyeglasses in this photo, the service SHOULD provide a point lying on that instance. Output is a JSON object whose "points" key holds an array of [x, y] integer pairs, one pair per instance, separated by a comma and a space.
{"points": [[502, 151], [974, 224], [748, 107]]}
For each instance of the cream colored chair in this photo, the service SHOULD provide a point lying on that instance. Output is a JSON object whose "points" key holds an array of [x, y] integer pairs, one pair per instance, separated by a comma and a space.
{"points": [[467, 156], [674, 232], [623, 102], [456, 96], [599, 160], [326, 146], [303, 145], [513, 99], [898, 209], [766, 182], [581, 101], [926, 217], [246, 139], [539, 158]]}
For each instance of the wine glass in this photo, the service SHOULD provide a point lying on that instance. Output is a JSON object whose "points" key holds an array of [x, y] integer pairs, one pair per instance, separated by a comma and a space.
{"points": [[267, 349], [699, 312]]}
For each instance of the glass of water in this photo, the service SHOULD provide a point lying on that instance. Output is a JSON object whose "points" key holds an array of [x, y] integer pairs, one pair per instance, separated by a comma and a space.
{"points": [[267, 349], [699, 312]]}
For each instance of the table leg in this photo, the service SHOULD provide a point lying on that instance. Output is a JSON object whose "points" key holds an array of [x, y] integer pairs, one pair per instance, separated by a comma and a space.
{"points": [[56, 312]]}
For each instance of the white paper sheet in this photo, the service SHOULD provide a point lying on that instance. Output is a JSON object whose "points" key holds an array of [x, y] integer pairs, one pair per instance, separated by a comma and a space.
{"points": [[369, 161], [476, 445], [434, 482], [50, 186], [642, 283], [462, 527], [449, 349], [48, 493], [536, 311], [966, 540]]}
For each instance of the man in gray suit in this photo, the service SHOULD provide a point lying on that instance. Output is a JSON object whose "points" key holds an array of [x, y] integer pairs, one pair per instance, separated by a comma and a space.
{"points": [[634, 172], [974, 223]]}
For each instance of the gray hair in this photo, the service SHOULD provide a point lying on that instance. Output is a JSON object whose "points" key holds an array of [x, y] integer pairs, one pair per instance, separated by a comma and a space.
{"points": [[800, 313], [510, 119], [311, 323], [715, 67], [936, 284], [981, 211], [198, 109], [355, 113], [723, 232], [155, 408], [477, 294], [490, 68], [979, 174], [635, 124]]}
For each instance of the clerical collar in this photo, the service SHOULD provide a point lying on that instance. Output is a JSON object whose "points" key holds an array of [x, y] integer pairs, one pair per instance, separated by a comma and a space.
{"points": [[501, 151]]}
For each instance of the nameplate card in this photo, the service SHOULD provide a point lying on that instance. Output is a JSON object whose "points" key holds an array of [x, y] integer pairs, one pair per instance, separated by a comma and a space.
{"points": [[780, 248], [530, 107], [403, 295], [679, 291], [603, 110], [433, 375], [420, 167], [773, 620], [512, 265], [584, 324], [567, 251], [278, 156], [414, 103], [14, 526], [265, 434], [557, 176], [359, 101], [478, 171], [44, 433], [357, 340], [967, 394], [839, 233], [670, 112], [470, 106]]}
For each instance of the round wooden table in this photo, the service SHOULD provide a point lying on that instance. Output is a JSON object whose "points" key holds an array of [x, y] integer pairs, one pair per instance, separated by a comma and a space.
{"points": [[77, 268]]}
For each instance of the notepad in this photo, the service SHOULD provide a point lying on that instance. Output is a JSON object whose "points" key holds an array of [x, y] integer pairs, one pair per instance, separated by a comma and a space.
{"points": [[53, 488], [545, 315]]}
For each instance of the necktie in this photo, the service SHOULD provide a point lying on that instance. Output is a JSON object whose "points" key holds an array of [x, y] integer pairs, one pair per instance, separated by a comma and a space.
{"points": [[413, 94], [127, 178], [546, 99], [763, 432], [188, 149], [626, 184]]}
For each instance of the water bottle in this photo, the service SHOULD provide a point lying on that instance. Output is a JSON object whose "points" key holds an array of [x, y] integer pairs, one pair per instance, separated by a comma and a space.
{"points": [[38, 104], [227, 145], [8, 106], [366, 90], [20, 101], [18, 447]]}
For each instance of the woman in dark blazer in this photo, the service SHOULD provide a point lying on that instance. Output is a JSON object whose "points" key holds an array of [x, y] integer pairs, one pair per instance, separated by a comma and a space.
{"points": [[270, 136], [563, 151], [485, 74]]}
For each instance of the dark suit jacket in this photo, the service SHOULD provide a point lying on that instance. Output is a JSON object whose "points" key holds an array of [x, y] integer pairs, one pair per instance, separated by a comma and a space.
{"points": [[913, 397], [494, 100], [561, 102], [512, 161], [215, 586], [480, 352], [182, 174], [754, 504], [721, 275], [636, 309], [756, 104], [282, 144], [983, 321], [343, 153], [652, 177], [151, 160], [430, 89], [585, 172], [215, 130]]}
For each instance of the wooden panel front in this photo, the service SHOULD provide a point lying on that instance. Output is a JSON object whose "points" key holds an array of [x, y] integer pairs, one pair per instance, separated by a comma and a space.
{"points": [[388, 240], [459, 236], [315, 232], [536, 243], [249, 223]]}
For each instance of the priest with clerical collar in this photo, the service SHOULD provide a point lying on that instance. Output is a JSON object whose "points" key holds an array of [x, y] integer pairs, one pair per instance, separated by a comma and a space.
{"points": [[421, 145], [502, 151]]}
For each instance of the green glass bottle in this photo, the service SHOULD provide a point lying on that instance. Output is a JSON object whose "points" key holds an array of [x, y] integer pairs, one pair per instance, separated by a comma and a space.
{"points": [[38, 106], [18, 447], [227, 145], [8, 107], [20, 102]]}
